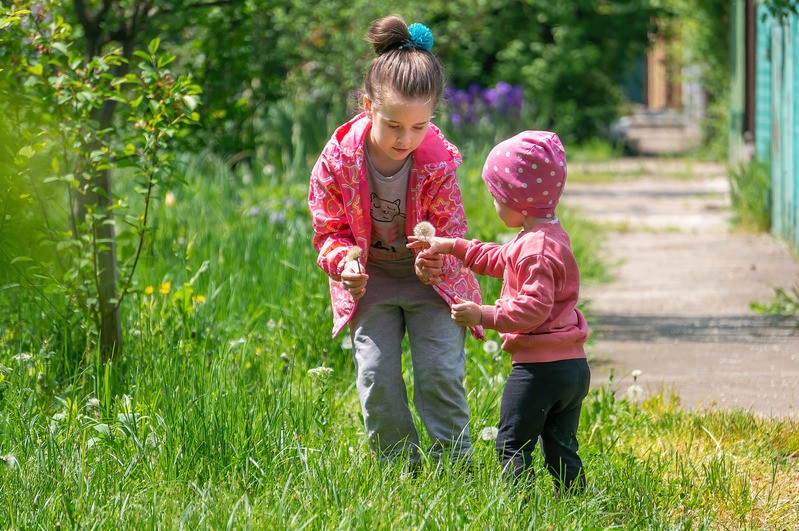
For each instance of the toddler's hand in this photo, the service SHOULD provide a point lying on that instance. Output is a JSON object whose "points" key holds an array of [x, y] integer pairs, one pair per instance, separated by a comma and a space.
{"points": [[466, 313], [436, 244], [354, 280]]}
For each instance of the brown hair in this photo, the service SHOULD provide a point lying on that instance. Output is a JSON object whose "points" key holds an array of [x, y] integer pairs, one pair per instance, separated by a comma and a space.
{"points": [[400, 70]]}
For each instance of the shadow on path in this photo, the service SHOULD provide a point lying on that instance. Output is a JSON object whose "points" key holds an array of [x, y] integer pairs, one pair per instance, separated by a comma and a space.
{"points": [[700, 329]]}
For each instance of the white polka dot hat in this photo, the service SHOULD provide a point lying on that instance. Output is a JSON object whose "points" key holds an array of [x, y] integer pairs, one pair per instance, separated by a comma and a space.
{"points": [[527, 173]]}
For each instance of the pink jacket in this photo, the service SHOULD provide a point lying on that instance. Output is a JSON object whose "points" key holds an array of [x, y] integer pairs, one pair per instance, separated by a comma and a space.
{"points": [[537, 315], [338, 198]]}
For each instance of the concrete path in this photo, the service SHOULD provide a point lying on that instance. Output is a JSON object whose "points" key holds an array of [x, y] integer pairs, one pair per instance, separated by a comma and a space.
{"points": [[678, 309]]}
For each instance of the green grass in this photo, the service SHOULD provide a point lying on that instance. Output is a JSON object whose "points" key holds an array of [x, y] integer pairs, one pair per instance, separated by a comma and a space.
{"points": [[210, 419]]}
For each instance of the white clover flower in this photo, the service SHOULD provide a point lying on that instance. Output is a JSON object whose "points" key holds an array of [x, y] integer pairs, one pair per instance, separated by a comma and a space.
{"points": [[490, 347], [9, 460], [424, 231], [22, 357], [489, 433]]}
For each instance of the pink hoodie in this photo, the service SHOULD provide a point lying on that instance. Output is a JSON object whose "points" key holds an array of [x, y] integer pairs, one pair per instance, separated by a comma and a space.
{"points": [[536, 315], [338, 198]]}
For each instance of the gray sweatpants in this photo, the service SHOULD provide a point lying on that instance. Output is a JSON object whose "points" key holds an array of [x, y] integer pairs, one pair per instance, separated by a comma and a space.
{"points": [[393, 303]]}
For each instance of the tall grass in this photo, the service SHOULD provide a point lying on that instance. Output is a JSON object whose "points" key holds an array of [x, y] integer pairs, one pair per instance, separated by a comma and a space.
{"points": [[749, 194], [211, 419]]}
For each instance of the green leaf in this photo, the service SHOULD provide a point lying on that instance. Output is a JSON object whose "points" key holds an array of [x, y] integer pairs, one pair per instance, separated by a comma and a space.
{"points": [[153, 46], [165, 59], [191, 102], [60, 46], [19, 259], [36, 69]]}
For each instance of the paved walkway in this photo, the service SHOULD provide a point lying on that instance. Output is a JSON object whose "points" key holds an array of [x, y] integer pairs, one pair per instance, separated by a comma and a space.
{"points": [[678, 309]]}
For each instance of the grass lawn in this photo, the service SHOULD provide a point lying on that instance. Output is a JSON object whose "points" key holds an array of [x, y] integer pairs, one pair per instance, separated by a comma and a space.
{"points": [[212, 420]]}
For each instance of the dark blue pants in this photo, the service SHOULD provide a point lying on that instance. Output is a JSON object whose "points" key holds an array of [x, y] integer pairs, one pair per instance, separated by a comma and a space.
{"points": [[543, 400]]}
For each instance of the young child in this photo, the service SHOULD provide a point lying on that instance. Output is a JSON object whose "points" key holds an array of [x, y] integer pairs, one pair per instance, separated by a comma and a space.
{"points": [[537, 315], [379, 175]]}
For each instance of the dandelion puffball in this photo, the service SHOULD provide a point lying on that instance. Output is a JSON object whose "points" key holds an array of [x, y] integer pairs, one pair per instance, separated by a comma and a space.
{"points": [[353, 253], [424, 231]]}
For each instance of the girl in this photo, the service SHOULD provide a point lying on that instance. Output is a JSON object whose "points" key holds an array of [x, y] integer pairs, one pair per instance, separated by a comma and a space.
{"points": [[380, 174], [536, 315]]}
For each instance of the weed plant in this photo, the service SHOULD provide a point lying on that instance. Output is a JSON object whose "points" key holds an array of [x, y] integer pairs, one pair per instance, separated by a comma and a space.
{"points": [[232, 407]]}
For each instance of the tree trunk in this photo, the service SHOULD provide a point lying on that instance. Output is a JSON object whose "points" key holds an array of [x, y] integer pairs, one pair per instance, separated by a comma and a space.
{"points": [[100, 196]]}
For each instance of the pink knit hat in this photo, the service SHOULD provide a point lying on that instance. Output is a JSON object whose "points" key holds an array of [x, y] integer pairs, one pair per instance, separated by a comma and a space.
{"points": [[527, 173]]}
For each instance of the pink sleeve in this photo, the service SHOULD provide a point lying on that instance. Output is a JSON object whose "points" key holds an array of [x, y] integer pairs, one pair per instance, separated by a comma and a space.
{"points": [[332, 233], [484, 258], [533, 302]]}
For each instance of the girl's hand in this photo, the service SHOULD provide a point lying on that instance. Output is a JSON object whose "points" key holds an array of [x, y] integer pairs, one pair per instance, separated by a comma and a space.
{"points": [[354, 280], [466, 313], [428, 267]]}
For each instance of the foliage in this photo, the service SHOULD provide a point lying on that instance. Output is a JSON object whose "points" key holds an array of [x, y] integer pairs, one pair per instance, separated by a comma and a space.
{"points": [[750, 190], [571, 58], [484, 116], [785, 302], [59, 149]]}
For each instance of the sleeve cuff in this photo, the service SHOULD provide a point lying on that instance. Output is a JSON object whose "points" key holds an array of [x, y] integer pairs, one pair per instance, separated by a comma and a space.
{"points": [[488, 315], [459, 248]]}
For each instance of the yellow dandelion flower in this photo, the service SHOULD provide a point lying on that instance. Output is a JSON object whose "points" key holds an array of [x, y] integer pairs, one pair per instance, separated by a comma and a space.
{"points": [[149, 290], [199, 298], [258, 351], [165, 287]]}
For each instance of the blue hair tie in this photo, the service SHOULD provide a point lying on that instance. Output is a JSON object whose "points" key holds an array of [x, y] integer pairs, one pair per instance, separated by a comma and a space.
{"points": [[421, 37]]}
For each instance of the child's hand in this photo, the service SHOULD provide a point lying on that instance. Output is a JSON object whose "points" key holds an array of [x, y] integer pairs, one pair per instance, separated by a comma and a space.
{"points": [[466, 313], [354, 280], [436, 244], [428, 267]]}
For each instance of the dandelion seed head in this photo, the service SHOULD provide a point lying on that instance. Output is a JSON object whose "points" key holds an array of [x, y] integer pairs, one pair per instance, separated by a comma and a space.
{"points": [[636, 373], [489, 433], [634, 392], [424, 231], [490, 347], [9, 460], [346, 342], [354, 253]]}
